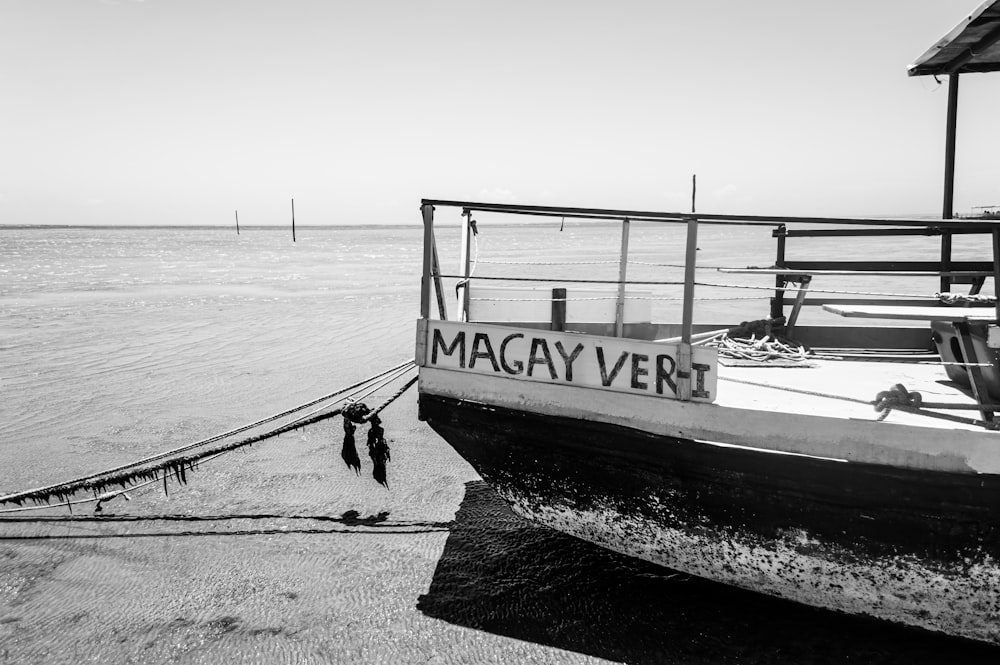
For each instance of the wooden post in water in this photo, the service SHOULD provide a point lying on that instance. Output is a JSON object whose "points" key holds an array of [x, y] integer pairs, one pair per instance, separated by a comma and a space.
{"points": [[694, 188], [293, 220], [237, 222]]}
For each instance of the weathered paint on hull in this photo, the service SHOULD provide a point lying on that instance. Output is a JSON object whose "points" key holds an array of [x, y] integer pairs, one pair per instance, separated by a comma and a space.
{"points": [[913, 547]]}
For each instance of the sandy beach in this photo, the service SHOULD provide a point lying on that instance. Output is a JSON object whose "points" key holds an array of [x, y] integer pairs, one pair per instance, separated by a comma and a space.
{"points": [[280, 554]]}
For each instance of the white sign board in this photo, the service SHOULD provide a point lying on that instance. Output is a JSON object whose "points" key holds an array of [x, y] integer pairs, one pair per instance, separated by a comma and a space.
{"points": [[605, 363]]}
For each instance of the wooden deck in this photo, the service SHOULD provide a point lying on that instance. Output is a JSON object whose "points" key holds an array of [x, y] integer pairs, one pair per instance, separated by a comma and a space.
{"points": [[857, 381]]}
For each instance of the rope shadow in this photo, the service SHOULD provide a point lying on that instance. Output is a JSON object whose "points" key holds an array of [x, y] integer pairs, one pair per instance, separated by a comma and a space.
{"points": [[504, 575], [238, 532], [371, 524]]}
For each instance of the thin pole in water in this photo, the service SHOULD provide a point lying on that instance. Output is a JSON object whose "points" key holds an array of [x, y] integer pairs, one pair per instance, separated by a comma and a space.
{"points": [[694, 188], [237, 222], [293, 220]]}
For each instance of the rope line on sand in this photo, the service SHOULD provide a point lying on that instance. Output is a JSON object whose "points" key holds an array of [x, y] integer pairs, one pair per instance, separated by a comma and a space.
{"points": [[350, 521], [168, 463], [383, 530]]}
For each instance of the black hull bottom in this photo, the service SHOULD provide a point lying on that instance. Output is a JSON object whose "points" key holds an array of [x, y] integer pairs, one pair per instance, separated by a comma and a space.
{"points": [[909, 546]]}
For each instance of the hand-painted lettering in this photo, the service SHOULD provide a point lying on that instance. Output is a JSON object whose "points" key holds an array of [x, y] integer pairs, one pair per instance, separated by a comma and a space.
{"points": [[475, 353], [607, 379], [515, 367], [699, 371], [663, 374], [568, 359], [601, 363], [533, 359], [639, 371], [458, 342]]}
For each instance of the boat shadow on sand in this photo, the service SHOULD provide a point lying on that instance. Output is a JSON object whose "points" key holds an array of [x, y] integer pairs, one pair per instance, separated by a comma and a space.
{"points": [[504, 575]]}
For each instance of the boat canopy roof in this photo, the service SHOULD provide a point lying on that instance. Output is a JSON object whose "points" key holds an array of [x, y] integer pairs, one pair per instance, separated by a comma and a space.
{"points": [[971, 46]]}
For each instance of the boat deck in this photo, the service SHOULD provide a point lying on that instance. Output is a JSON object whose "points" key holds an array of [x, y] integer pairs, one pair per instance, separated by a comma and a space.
{"points": [[844, 389]]}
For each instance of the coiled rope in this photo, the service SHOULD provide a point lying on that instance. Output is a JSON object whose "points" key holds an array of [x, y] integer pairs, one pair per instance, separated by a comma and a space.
{"points": [[895, 397], [966, 298], [174, 462], [761, 349]]}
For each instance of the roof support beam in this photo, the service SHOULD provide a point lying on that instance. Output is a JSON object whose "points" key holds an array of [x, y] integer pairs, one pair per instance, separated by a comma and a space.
{"points": [[948, 206], [948, 209]]}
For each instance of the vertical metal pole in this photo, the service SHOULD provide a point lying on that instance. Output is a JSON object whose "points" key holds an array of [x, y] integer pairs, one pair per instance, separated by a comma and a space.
{"points": [[427, 211], [622, 269], [948, 206], [996, 269], [237, 222], [293, 220], [463, 260], [949, 149], [687, 321], [690, 262]]}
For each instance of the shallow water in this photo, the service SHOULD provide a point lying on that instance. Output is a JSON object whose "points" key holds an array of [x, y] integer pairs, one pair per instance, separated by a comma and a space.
{"points": [[118, 343]]}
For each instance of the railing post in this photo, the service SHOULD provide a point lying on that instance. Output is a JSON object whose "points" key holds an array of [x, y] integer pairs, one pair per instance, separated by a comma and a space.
{"points": [[687, 321], [777, 303], [463, 269], [996, 269], [558, 322], [438, 284], [427, 211], [622, 269]]}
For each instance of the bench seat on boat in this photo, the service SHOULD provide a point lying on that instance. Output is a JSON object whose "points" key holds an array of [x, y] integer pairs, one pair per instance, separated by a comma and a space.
{"points": [[978, 366], [914, 313]]}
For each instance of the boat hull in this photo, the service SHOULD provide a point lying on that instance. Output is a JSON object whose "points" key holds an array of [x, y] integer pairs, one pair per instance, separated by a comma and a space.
{"points": [[911, 546]]}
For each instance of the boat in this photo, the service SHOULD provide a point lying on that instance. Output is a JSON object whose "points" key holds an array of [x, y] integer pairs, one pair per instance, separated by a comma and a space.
{"points": [[841, 450], [984, 212]]}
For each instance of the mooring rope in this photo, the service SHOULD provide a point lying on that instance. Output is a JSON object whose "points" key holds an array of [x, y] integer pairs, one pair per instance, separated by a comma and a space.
{"points": [[224, 435], [126, 474], [107, 496]]}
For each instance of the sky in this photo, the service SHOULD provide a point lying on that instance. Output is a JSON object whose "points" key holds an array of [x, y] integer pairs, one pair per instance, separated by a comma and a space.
{"points": [[126, 112]]}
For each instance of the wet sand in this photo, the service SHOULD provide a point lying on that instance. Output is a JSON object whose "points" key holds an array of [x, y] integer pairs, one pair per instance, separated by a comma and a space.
{"points": [[280, 554]]}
